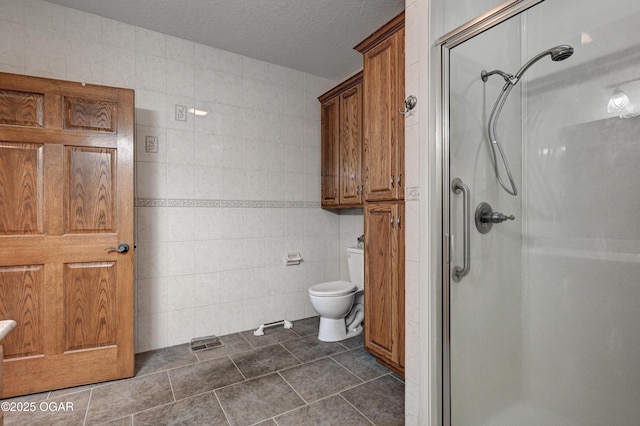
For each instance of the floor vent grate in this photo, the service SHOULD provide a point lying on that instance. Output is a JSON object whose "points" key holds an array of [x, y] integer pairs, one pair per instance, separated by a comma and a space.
{"points": [[204, 343]]}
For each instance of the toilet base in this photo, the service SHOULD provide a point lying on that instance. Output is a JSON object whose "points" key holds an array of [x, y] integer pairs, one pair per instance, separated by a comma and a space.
{"points": [[334, 330]]}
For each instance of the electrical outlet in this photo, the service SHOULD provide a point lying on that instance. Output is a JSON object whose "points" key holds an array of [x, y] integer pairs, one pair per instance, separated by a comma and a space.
{"points": [[181, 112], [151, 144]]}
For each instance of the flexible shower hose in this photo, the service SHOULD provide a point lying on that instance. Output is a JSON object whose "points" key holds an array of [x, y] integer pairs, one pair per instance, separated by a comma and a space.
{"points": [[495, 142]]}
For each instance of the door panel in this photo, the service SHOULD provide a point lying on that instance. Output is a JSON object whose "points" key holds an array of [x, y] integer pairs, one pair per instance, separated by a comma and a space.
{"points": [[379, 271], [384, 129], [66, 198], [397, 118], [485, 305], [384, 282], [21, 188], [90, 190], [90, 305], [379, 145], [351, 146], [89, 114], [21, 108], [330, 152], [21, 289]]}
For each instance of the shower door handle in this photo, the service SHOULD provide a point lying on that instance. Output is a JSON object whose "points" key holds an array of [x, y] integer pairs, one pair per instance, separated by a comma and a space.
{"points": [[458, 186]]}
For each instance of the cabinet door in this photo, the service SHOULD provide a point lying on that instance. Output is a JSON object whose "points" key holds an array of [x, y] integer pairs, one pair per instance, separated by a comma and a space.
{"points": [[399, 118], [351, 146], [384, 283], [399, 286], [330, 152], [384, 132]]}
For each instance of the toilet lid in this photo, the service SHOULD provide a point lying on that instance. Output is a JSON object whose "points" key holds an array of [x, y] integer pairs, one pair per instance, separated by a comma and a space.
{"points": [[333, 288]]}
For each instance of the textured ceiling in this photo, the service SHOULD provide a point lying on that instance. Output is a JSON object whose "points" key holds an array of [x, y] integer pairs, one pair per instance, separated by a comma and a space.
{"points": [[314, 36]]}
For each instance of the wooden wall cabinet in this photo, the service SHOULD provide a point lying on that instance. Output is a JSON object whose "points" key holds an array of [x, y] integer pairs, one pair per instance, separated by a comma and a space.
{"points": [[341, 155], [383, 149], [383, 164], [384, 283]]}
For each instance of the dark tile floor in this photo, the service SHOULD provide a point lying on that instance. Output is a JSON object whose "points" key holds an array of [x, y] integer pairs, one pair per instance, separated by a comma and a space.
{"points": [[286, 377]]}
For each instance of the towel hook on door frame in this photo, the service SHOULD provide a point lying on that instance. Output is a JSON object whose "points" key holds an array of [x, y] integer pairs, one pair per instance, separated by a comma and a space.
{"points": [[410, 103]]}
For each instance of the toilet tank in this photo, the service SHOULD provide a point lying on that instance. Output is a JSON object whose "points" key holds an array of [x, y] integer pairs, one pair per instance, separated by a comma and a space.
{"points": [[355, 258]]}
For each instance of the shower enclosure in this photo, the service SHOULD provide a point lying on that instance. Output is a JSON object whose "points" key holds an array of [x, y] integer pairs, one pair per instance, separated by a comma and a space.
{"points": [[541, 314]]}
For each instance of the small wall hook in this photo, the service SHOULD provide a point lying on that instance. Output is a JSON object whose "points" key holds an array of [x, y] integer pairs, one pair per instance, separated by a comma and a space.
{"points": [[410, 103]]}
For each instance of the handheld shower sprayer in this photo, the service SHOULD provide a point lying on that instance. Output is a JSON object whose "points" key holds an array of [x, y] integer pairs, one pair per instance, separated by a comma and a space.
{"points": [[558, 53]]}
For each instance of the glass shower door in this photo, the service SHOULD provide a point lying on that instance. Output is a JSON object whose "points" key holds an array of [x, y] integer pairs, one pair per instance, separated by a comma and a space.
{"points": [[485, 305], [545, 327]]}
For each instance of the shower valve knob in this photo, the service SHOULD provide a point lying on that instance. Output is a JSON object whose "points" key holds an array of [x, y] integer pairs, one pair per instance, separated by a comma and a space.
{"points": [[486, 217], [497, 217]]}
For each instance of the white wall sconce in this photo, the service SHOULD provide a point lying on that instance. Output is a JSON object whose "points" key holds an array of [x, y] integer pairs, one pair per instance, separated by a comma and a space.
{"points": [[620, 104], [618, 101]]}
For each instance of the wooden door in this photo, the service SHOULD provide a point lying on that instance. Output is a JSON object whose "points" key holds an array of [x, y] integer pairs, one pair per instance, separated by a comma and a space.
{"points": [[351, 146], [384, 125], [330, 152], [66, 199], [384, 283]]}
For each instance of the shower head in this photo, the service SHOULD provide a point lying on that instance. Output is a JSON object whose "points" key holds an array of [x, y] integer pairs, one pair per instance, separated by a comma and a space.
{"points": [[558, 53]]}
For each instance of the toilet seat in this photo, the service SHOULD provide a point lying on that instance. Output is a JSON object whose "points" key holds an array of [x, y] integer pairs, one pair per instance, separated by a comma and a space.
{"points": [[332, 289]]}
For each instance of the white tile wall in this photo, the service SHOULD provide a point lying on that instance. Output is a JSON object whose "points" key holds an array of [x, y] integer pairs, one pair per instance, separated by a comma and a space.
{"points": [[351, 227], [213, 265], [416, 136]]}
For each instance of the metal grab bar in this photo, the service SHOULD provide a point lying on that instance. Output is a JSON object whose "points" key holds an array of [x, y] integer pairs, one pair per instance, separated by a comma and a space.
{"points": [[459, 272]]}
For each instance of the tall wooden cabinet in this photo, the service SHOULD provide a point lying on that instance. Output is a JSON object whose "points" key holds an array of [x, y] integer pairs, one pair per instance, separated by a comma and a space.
{"points": [[341, 155], [383, 163]]}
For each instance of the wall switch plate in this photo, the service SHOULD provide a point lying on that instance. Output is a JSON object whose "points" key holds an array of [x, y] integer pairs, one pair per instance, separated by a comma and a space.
{"points": [[151, 144], [181, 112]]}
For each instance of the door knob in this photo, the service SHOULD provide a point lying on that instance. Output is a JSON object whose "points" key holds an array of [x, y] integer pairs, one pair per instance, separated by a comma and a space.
{"points": [[122, 248]]}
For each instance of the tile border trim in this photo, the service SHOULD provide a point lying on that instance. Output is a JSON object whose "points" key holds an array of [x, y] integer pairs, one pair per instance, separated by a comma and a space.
{"points": [[157, 202]]}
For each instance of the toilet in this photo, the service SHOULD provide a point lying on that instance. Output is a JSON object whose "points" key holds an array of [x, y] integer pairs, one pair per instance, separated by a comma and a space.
{"points": [[340, 304]]}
